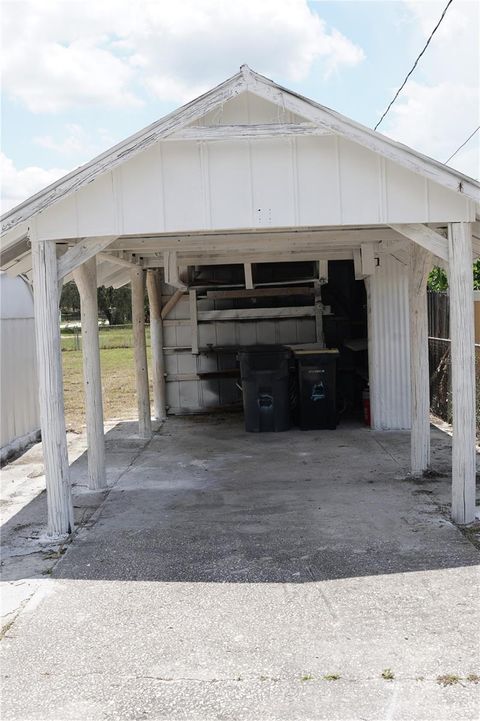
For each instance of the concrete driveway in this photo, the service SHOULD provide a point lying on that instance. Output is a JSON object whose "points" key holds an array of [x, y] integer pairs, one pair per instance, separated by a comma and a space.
{"points": [[251, 577]]}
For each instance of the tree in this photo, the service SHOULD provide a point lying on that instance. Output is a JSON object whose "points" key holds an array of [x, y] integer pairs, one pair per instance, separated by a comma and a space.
{"points": [[438, 281], [115, 304], [70, 299]]}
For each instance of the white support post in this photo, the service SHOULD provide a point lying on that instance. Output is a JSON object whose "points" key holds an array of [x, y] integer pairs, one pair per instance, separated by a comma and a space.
{"points": [[368, 259], [85, 277], [247, 268], [50, 381], [419, 268], [194, 320], [357, 264], [323, 271], [140, 351], [463, 371], [156, 342]]}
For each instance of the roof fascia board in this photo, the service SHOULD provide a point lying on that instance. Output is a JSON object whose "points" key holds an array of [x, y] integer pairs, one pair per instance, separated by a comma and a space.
{"points": [[337, 123]]}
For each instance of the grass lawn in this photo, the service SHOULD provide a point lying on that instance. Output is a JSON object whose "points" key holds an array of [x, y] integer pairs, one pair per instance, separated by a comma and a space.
{"points": [[109, 337], [118, 381]]}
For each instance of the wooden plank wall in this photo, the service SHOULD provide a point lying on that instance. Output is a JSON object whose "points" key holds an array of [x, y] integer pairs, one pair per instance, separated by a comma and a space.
{"points": [[186, 393]]}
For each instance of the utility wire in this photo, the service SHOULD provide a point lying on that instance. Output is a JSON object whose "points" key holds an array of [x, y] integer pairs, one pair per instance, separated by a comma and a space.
{"points": [[415, 63], [462, 145]]}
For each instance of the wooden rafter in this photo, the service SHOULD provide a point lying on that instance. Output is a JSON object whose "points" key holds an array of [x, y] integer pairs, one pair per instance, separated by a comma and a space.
{"points": [[426, 237]]}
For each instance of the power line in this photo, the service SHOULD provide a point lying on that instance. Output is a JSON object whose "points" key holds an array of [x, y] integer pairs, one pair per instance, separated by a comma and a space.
{"points": [[415, 63], [462, 145]]}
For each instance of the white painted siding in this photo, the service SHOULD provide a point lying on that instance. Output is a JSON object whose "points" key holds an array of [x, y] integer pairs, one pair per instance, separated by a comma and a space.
{"points": [[19, 415], [389, 348], [185, 185], [249, 108], [185, 393]]}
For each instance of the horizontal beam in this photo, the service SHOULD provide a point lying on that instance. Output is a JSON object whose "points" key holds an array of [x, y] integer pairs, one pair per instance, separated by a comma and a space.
{"points": [[258, 239], [425, 237], [235, 132], [229, 258], [81, 252], [255, 313], [258, 293]]}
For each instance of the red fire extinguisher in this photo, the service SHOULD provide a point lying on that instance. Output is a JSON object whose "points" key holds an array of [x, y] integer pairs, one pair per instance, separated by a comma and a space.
{"points": [[366, 407]]}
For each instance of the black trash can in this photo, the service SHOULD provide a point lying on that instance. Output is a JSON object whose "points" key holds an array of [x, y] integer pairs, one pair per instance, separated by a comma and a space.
{"points": [[317, 407], [264, 371]]}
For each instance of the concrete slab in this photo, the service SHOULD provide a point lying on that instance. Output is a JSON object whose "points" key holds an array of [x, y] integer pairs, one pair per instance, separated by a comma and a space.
{"points": [[235, 576]]}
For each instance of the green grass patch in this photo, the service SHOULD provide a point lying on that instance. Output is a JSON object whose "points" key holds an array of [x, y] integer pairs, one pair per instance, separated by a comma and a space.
{"points": [[118, 384], [307, 677], [109, 337]]}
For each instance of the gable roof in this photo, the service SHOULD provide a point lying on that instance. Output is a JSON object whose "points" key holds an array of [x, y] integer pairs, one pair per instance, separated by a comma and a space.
{"points": [[245, 80]]}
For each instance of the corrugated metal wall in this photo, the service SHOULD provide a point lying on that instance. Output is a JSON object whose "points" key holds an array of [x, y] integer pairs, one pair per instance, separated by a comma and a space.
{"points": [[185, 391], [19, 415], [389, 346]]}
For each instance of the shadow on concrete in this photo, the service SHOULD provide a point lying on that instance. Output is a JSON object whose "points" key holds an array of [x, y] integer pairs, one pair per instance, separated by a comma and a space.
{"points": [[206, 502]]}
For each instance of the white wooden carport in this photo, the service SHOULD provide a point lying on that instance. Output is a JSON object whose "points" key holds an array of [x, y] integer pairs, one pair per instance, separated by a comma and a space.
{"points": [[252, 173]]}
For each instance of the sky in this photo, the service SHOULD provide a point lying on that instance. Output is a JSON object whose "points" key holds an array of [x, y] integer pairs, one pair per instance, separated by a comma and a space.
{"points": [[78, 76]]}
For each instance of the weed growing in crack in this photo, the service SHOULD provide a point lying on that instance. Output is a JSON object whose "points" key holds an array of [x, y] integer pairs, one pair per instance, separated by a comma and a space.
{"points": [[448, 679]]}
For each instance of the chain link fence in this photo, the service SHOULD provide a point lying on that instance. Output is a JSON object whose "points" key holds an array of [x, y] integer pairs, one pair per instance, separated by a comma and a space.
{"points": [[113, 336], [439, 358]]}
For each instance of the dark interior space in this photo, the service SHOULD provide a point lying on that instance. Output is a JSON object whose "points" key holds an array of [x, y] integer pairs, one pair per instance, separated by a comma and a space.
{"points": [[346, 328], [343, 309]]}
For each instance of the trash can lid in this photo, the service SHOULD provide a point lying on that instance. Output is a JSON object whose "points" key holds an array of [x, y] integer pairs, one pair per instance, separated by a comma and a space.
{"points": [[264, 349], [312, 349]]}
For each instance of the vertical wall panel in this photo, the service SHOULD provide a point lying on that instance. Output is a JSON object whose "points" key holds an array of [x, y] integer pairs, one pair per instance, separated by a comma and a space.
{"points": [[95, 204], [318, 192], [140, 188], [19, 415], [230, 184], [183, 186], [389, 348], [272, 180], [360, 184]]}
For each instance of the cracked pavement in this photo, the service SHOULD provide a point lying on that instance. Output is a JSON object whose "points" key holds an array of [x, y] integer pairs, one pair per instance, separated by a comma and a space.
{"points": [[228, 575]]}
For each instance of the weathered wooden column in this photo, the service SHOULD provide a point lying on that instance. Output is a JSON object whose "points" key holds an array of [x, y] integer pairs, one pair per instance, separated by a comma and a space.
{"points": [[50, 382], [156, 341], [140, 351], [420, 266], [463, 371], [85, 277]]}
